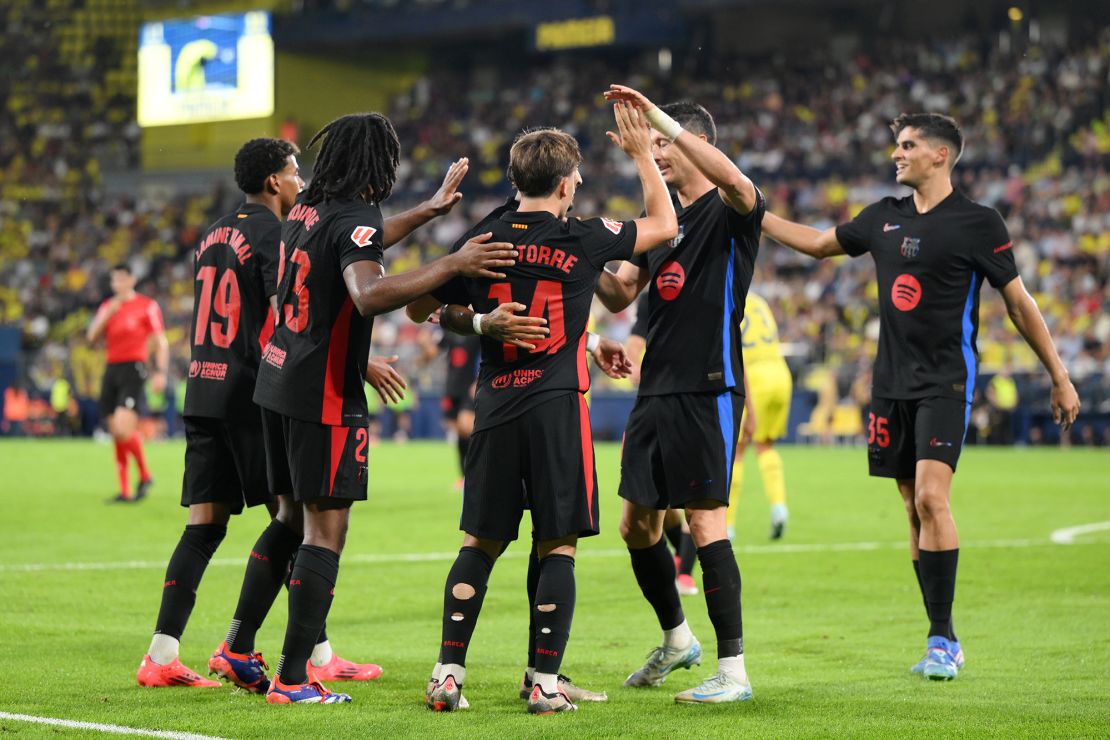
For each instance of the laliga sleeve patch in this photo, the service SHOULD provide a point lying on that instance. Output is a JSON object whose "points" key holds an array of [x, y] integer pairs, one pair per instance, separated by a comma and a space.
{"points": [[614, 226], [362, 235]]}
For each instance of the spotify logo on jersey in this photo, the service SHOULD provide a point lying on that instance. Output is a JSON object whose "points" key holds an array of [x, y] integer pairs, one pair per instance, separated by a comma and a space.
{"points": [[670, 280], [906, 292]]}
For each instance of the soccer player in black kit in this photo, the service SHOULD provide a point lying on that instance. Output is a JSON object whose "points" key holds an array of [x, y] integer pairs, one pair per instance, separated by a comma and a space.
{"points": [[532, 445], [682, 432], [932, 250], [225, 462], [458, 388], [310, 382]]}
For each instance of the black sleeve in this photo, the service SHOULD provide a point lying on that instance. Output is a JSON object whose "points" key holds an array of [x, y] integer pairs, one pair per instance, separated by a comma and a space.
{"points": [[755, 215], [604, 239], [266, 249], [993, 251], [855, 235], [640, 327], [453, 291], [358, 236]]}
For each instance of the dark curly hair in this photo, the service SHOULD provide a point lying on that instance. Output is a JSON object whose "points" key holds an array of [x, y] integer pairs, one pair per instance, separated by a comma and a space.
{"points": [[258, 159], [357, 151]]}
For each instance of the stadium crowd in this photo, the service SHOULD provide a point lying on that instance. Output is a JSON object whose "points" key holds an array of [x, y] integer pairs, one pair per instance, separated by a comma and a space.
{"points": [[810, 131]]}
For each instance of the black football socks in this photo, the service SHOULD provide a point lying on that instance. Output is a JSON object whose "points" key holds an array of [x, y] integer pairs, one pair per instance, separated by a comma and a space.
{"points": [[674, 536], [553, 612], [533, 584], [311, 590], [267, 569], [654, 569], [938, 581], [462, 602], [920, 584], [721, 581], [687, 554], [186, 567]]}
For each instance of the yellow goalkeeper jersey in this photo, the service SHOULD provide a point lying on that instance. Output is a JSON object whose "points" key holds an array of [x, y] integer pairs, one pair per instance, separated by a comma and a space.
{"points": [[760, 333]]}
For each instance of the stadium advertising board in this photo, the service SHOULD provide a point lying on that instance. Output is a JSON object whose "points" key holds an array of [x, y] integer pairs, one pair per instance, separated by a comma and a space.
{"points": [[209, 68]]}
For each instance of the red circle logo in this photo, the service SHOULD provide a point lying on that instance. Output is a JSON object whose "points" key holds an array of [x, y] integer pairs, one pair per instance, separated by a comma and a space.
{"points": [[906, 292], [670, 280]]}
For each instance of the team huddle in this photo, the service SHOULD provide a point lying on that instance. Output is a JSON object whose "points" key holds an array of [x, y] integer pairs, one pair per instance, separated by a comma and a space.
{"points": [[287, 288]]}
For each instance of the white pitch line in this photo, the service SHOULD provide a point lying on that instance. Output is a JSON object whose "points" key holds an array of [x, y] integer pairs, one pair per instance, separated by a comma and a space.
{"points": [[446, 557], [1067, 535], [97, 727]]}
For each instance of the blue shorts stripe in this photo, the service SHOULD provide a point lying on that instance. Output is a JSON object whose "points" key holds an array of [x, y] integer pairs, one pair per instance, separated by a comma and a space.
{"points": [[728, 433]]}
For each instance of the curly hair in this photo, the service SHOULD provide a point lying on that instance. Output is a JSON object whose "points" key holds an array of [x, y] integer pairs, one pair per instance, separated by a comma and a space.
{"points": [[358, 151], [258, 159]]}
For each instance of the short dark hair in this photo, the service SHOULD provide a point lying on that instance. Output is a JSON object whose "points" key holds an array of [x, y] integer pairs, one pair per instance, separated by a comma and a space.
{"points": [[692, 117], [357, 151], [933, 126], [121, 267], [539, 158], [258, 159]]}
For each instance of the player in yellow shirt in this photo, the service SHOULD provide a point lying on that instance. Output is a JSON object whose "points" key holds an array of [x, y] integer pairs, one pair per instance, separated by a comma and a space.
{"points": [[768, 396]]}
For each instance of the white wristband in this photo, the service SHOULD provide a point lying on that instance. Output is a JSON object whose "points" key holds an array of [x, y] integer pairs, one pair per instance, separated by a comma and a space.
{"points": [[476, 322], [592, 341], [663, 123]]}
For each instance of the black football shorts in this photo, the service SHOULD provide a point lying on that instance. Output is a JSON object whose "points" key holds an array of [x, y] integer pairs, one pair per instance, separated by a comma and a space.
{"points": [[123, 387], [311, 461], [225, 462], [901, 432], [542, 460], [679, 449]]}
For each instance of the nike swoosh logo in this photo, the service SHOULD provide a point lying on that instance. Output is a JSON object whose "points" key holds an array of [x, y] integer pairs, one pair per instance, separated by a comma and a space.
{"points": [[710, 696], [891, 227]]}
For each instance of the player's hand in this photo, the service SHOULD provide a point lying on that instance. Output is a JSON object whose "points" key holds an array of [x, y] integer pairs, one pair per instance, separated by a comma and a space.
{"points": [[520, 331], [448, 195], [384, 378], [1065, 404], [480, 257], [158, 381], [747, 426], [634, 138], [612, 359], [628, 95]]}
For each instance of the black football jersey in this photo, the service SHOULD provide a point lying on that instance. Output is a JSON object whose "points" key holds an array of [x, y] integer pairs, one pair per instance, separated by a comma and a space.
{"points": [[696, 297], [930, 267], [314, 366], [233, 263], [555, 276], [463, 354]]}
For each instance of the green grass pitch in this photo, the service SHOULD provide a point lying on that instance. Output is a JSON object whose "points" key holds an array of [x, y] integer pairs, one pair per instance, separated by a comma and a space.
{"points": [[832, 615]]}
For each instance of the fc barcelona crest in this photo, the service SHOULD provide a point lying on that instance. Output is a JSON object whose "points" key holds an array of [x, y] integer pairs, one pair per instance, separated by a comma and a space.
{"points": [[910, 247]]}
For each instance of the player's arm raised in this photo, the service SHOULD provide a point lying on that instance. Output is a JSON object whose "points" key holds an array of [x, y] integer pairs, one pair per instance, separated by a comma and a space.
{"points": [[617, 290], [1030, 323], [373, 293], [634, 138], [400, 225], [805, 239], [734, 187]]}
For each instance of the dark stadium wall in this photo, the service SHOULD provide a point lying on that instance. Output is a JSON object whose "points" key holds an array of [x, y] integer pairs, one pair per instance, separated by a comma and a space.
{"points": [[311, 89]]}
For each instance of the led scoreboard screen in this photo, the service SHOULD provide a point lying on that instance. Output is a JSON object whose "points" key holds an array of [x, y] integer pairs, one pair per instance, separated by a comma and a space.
{"points": [[210, 68]]}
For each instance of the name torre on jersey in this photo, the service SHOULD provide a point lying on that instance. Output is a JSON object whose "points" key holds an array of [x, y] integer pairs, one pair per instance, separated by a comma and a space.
{"points": [[229, 236], [538, 254]]}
